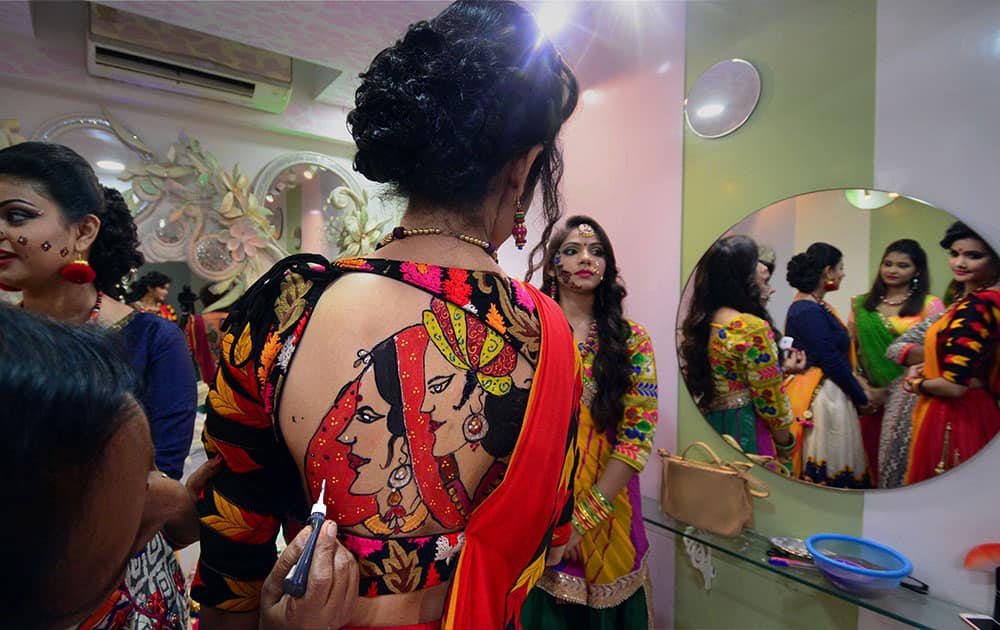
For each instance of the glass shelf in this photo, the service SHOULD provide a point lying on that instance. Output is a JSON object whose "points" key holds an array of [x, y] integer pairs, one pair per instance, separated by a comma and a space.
{"points": [[921, 611]]}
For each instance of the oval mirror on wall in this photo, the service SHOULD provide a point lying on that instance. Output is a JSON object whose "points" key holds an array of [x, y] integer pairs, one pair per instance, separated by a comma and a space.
{"points": [[834, 333], [107, 145], [722, 98], [298, 189]]}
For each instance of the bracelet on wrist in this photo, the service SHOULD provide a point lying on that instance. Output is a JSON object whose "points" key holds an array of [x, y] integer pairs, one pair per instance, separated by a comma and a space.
{"points": [[785, 448]]}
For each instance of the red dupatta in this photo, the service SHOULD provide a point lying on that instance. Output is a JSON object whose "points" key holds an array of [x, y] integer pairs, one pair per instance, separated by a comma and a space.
{"points": [[508, 535]]}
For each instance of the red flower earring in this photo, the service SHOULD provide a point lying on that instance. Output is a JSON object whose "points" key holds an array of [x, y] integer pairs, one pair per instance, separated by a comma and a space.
{"points": [[78, 272], [7, 287]]}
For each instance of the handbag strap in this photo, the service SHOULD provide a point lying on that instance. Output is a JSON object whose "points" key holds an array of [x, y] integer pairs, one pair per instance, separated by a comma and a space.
{"points": [[757, 488], [707, 449]]}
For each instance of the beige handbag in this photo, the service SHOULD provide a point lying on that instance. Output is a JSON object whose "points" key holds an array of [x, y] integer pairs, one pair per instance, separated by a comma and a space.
{"points": [[715, 496]]}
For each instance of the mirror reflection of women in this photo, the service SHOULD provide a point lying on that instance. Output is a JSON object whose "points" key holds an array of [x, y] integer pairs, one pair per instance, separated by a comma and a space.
{"points": [[460, 118], [898, 300], [149, 295], [65, 242], [959, 380], [827, 397], [603, 581], [732, 363]]}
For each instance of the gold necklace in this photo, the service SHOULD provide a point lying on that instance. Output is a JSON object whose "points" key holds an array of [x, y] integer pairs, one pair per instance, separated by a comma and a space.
{"points": [[399, 233], [889, 302]]}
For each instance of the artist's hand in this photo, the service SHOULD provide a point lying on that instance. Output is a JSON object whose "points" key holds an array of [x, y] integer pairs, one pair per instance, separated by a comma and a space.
{"points": [[331, 593]]}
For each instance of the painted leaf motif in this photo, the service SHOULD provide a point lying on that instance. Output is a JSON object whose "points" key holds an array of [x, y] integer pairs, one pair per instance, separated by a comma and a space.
{"points": [[402, 569], [291, 303], [243, 347], [247, 596], [234, 523], [237, 459], [223, 400], [495, 319]]}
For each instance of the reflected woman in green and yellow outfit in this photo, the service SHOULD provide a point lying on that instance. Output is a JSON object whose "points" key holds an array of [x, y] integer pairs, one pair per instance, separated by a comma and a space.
{"points": [[898, 300]]}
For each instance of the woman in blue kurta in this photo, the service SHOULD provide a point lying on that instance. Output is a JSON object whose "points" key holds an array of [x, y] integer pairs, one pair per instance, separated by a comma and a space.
{"points": [[827, 397], [64, 242]]}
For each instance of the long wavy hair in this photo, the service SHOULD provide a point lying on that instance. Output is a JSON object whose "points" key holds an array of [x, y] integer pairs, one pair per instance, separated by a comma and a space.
{"points": [[726, 276], [612, 363], [920, 284]]}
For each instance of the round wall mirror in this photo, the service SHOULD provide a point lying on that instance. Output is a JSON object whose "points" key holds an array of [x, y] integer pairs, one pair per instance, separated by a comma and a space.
{"points": [[299, 190], [846, 347], [722, 98], [107, 145]]}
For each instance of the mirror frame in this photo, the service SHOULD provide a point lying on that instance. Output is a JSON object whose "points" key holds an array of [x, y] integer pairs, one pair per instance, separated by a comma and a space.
{"points": [[52, 127], [678, 336]]}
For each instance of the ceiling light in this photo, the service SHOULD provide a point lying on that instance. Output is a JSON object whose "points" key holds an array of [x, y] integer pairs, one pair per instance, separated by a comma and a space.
{"points": [[110, 165], [893, 195], [709, 111], [552, 17], [592, 97], [867, 199], [269, 198], [308, 174]]}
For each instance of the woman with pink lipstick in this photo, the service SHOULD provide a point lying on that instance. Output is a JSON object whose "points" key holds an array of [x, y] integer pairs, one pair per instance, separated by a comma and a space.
{"points": [[603, 581], [898, 300], [64, 242], [959, 381]]}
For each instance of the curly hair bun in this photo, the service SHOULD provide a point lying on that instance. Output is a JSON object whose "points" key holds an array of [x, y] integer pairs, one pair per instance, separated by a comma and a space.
{"points": [[116, 251], [803, 272], [441, 111]]}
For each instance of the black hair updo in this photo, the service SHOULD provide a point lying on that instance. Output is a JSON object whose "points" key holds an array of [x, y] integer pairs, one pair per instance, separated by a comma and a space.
{"points": [[439, 113], [806, 269]]}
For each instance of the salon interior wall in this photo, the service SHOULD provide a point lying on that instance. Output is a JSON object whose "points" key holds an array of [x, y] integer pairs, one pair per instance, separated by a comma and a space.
{"points": [[813, 129], [43, 75], [936, 138], [899, 95]]}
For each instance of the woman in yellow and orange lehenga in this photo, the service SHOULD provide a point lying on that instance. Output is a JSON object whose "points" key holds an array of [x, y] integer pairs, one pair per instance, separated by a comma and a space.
{"points": [[959, 381], [603, 581]]}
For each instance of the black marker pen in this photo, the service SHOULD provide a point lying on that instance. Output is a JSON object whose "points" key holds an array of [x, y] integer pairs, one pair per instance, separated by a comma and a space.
{"points": [[298, 577]]}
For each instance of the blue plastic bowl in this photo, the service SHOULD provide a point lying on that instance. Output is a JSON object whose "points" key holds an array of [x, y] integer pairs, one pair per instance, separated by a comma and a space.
{"points": [[858, 565]]}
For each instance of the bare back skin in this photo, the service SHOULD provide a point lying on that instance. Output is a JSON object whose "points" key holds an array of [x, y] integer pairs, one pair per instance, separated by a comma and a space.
{"points": [[356, 314]]}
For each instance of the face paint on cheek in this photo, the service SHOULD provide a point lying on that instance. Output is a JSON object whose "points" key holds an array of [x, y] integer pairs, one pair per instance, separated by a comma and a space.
{"points": [[22, 240], [64, 252], [46, 246]]}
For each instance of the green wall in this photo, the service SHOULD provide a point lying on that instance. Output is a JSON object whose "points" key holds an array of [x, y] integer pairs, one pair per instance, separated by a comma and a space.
{"points": [[909, 218], [813, 129]]}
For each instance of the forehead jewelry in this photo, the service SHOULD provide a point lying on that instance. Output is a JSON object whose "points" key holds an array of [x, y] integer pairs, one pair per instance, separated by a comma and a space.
{"points": [[585, 230]]}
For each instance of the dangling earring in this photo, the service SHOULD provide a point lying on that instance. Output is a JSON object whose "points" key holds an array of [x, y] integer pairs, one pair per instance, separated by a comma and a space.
{"points": [[399, 478], [520, 231], [79, 272], [554, 290], [915, 283], [830, 285], [475, 429]]}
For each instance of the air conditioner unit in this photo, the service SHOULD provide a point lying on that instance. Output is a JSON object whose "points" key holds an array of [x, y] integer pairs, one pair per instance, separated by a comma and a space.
{"points": [[134, 49]]}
